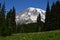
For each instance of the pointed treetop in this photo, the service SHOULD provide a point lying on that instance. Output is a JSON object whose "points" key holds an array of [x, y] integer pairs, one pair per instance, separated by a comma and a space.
{"points": [[39, 17], [0, 5], [13, 8], [53, 4], [48, 7]]}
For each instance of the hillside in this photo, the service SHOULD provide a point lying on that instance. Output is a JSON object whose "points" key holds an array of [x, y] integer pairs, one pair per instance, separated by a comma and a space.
{"points": [[51, 35]]}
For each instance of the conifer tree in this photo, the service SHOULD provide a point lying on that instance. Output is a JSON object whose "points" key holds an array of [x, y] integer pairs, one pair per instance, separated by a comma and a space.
{"points": [[0, 6], [13, 20], [52, 16], [0, 14], [0, 9], [9, 23], [2, 19], [48, 18], [39, 23]]}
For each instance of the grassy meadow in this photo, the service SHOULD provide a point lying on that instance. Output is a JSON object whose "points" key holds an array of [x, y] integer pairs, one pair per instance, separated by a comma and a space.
{"points": [[51, 35]]}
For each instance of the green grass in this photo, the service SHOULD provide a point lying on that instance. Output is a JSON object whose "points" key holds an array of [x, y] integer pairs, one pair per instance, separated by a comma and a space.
{"points": [[51, 35]]}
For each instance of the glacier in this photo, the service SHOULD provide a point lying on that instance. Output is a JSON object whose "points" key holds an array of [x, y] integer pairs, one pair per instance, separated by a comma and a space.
{"points": [[29, 15]]}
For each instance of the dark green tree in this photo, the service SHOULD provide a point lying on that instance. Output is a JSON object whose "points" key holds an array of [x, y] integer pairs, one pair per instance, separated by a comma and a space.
{"points": [[48, 19], [53, 18], [2, 21], [0, 6], [9, 23], [39, 23], [0, 14], [13, 20]]}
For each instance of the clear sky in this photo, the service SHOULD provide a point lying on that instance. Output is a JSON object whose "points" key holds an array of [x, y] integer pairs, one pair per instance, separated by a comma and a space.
{"points": [[23, 4]]}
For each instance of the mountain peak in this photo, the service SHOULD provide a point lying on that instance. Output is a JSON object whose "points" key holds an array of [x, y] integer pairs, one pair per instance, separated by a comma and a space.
{"points": [[30, 15], [32, 8]]}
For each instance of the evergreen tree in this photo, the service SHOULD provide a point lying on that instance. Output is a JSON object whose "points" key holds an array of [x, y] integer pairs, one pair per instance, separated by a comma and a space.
{"points": [[39, 23], [9, 23], [53, 16], [48, 19], [2, 19], [0, 14], [0, 6], [13, 20]]}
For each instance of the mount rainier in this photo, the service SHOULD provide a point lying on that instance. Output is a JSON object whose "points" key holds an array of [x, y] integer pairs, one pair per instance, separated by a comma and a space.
{"points": [[29, 15]]}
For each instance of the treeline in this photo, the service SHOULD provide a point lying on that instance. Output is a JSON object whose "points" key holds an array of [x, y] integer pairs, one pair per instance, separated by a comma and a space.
{"points": [[52, 21], [26, 28], [8, 24]]}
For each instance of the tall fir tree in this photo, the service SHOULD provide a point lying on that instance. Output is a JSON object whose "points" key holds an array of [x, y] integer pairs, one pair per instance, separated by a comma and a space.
{"points": [[48, 19], [2, 19], [0, 6], [53, 17], [9, 23], [0, 14], [39, 23], [13, 20]]}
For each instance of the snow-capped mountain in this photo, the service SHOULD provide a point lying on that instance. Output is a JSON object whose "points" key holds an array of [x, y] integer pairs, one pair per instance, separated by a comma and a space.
{"points": [[29, 15]]}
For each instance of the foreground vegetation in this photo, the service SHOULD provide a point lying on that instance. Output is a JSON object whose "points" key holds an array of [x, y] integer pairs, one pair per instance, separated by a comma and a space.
{"points": [[51, 35]]}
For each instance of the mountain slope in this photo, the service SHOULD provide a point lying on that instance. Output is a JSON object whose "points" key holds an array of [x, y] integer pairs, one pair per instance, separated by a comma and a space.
{"points": [[29, 15]]}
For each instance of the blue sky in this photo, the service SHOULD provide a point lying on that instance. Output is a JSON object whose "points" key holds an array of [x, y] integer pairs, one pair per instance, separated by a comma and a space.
{"points": [[23, 4]]}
